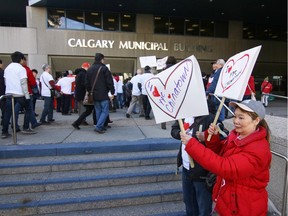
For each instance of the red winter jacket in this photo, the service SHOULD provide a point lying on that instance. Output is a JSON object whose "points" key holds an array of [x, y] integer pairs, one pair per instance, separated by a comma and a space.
{"points": [[242, 168], [266, 87]]}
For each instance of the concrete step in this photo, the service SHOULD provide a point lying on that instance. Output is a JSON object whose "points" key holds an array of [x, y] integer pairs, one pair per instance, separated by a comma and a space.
{"points": [[155, 209], [81, 162], [69, 180], [91, 198]]}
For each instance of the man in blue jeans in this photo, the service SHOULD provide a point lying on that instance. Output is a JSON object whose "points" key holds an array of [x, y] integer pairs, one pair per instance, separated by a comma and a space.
{"points": [[16, 85], [99, 82]]}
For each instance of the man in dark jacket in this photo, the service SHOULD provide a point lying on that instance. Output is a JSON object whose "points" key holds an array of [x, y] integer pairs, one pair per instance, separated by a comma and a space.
{"points": [[197, 198], [103, 85]]}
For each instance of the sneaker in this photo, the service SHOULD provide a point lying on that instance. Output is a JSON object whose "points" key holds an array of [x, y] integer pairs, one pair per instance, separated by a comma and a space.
{"points": [[99, 131], [5, 135], [148, 118], [127, 115], [44, 123], [28, 131], [51, 120], [84, 123], [76, 126], [36, 125]]}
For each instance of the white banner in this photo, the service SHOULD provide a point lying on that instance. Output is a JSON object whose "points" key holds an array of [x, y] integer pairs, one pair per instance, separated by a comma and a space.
{"points": [[148, 60], [235, 74], [177, 92]]}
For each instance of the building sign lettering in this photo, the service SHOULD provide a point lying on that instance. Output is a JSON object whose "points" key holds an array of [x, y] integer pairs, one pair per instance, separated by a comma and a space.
{"points": [[109, 44], [136, 45], [192, 48]]}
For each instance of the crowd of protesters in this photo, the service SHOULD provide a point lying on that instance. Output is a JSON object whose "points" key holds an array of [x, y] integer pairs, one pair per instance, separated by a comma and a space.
{"points": [[240, 160]]}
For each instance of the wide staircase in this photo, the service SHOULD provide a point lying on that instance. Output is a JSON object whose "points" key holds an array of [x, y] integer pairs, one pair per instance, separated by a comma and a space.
{"points": [[126, 183]]}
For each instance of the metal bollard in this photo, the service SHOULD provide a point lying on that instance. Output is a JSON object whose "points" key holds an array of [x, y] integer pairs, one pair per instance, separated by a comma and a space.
{"points": [[14, 134]]}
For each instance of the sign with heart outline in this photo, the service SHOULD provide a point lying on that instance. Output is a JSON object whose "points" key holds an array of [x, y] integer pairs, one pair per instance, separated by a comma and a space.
{"points": [[235, 74], [173, 92]]}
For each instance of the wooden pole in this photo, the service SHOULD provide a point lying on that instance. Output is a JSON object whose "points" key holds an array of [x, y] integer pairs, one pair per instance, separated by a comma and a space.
{"points": [[217, 116], [183, 131]]}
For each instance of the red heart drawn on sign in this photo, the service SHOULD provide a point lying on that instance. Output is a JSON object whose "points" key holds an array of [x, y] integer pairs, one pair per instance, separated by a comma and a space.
{"points": [[232, 71], [173, 90], [186, 125], [155, 92]]}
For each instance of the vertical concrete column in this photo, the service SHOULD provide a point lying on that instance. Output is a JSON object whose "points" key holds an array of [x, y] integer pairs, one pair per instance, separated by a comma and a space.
{"points": [[235, 30]]}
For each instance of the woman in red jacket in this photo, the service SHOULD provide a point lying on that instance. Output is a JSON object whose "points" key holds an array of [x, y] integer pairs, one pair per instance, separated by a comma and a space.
{"points": [[241, 162]]}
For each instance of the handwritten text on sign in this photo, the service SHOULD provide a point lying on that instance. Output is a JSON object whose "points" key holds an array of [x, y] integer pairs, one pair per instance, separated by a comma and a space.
{"points": [[169, 95], [234, 69], [235, 74]]}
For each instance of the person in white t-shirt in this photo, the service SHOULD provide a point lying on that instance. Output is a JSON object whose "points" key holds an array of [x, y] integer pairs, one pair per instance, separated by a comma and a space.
{"points": [[146, 104], [136, 93], [66, 91], [16, 84], [47, 84]]}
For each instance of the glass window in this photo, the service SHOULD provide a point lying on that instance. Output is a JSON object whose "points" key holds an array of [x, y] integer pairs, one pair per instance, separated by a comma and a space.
{"points": [[56, 18], [248, 31], [93, 20], [207, 28], [176, 26], [128, 22], [111, 21], [161, 25], [75, 19], [192, 27], [221, 29]]}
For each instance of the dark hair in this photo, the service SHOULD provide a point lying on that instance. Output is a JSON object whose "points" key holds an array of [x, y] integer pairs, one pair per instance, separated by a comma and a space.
{"points": [[171, 60], [35, 71], [262, 123], [17, 57], [98, 57], [0, 61]]}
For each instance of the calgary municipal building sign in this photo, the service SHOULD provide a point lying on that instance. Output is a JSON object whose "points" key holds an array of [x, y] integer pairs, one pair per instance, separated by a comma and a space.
{"points": [[135, 45]]}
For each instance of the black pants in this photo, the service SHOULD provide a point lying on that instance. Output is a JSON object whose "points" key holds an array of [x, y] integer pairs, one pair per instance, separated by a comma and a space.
{"points": [[66, 102], [146, 106], [88, 110]]}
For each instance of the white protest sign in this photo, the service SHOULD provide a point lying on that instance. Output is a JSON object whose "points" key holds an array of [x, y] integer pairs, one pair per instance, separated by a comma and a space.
{"points": [[235, 74], [161, 63], [148, 60], [177, 92]]}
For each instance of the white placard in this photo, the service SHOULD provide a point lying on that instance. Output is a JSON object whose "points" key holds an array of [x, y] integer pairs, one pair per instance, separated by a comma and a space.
{"points": [[235, 74], [177, 92], [148, 60], [161, 63]]}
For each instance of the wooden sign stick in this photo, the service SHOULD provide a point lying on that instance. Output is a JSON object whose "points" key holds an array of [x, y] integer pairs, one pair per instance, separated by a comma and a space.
{"points": [[217, 116], [183, 131]]}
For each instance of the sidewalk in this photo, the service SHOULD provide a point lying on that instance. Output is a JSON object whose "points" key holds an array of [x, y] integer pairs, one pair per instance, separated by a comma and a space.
{"points": [[122, 128]]}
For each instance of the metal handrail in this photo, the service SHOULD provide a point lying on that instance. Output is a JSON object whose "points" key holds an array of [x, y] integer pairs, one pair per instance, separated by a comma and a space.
{"points": [[279, 96], [284, 201]]}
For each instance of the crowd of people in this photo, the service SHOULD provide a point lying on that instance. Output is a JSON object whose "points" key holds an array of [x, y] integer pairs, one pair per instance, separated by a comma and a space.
{"points": [[240, 159]]}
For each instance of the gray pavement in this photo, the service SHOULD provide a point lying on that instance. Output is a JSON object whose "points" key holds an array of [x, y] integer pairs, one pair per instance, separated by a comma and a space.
{"points": [[122, 128]]}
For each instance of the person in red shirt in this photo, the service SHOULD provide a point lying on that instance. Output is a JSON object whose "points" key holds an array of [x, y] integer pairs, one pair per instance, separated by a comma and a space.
{"points": [[250, 90], [266, 88], [29, 117]]}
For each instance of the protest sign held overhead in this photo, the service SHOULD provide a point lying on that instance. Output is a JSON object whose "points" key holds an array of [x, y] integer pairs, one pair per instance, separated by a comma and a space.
{"points": [[177, 92], [148, 60], [235, 74], [161, 63]]}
